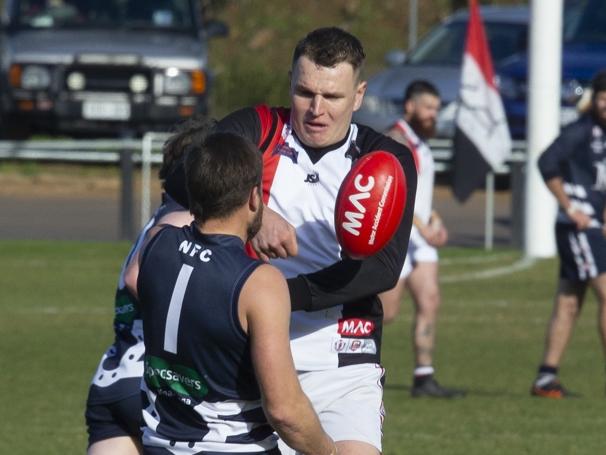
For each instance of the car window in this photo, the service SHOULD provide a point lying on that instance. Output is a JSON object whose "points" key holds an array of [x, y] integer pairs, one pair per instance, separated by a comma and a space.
{"points": [[152, 14], [444, 45], [585, 21]]}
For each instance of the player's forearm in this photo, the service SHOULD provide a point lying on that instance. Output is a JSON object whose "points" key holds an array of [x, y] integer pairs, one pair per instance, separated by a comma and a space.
{"points": [[299, 427]]}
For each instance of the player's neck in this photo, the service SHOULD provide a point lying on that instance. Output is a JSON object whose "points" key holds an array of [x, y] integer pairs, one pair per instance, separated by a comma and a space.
{"points": [[232, 225]]}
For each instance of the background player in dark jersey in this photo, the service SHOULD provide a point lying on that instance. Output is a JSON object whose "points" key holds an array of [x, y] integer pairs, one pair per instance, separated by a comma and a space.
{"points": [[217, 358], [113, 414], [307, 151], [574, 169]]}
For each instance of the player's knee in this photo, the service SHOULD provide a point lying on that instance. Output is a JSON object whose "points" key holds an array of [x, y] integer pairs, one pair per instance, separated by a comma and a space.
{"points": [[568, 306], [429, 302], [391, 308]]}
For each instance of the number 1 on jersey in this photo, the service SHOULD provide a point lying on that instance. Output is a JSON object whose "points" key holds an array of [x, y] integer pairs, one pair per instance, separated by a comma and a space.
{"points": [[171, 329]]}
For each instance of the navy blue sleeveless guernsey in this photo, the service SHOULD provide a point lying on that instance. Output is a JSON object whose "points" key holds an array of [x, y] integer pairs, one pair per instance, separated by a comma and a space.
{"points": [[200, 391]]}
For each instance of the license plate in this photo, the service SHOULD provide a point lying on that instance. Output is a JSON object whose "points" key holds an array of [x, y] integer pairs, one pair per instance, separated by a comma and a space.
{"points": [[105, 110]]}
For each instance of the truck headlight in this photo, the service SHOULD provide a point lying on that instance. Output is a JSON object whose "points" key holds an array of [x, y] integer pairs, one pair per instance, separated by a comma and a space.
{"points": [[177, 82], [76, 81], [30, 77], [138, 83]]}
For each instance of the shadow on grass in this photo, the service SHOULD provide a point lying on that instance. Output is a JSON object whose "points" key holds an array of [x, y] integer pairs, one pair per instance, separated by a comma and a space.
{"points": [[473, 392]]}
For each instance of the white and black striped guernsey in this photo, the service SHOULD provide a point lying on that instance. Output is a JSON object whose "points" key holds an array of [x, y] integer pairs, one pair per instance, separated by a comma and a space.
{"points": [[201, 395]]}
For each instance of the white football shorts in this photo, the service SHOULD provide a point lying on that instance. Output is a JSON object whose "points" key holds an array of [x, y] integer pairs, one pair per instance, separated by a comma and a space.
{"points": [[348, 401], [418, 251]]}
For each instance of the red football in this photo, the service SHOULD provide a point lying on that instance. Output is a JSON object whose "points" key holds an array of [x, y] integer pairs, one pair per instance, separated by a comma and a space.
{"points": [[370, 204]]}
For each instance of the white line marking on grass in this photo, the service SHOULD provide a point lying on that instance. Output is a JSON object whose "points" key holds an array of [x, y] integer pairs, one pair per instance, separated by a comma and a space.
{"points": [[522, 264], [475, 259]]}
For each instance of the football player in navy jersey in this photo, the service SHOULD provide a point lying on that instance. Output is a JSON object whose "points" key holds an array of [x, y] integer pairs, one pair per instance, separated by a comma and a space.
{"points": [[219, 375], [113, 415], [574, 169]]}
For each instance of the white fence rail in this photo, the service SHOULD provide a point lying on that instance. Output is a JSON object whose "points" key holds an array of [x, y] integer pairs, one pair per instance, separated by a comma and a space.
{"points": [[148, 151]]}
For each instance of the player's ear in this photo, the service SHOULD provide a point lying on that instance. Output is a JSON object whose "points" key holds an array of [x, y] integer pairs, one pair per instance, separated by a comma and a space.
{"points": [[359, 96], [254, 198]]}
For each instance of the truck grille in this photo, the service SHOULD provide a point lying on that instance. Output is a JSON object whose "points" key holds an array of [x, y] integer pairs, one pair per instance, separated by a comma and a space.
{"points": [[108, 78]]}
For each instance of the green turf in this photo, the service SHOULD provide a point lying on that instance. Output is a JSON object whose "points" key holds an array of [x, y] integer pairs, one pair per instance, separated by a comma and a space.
{"points": [[56, 309]]}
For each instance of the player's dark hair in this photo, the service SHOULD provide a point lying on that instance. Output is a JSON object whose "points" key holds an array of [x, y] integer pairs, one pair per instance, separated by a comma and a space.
{"points": [[219, 175], [598, 83], [330, 46], [185, 134], [420, 87]]}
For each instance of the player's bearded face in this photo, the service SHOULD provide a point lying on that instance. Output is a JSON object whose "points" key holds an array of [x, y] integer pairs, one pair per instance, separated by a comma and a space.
{"points": [[323, 100], [424, 115]]}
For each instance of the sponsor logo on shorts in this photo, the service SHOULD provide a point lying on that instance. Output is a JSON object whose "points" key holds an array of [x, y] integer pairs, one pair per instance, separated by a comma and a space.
{"points": [[356, 327], [354, 346]]}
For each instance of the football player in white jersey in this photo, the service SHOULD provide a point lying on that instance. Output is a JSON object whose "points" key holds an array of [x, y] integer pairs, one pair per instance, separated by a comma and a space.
{"points": [[420, 272], [307, 151]]}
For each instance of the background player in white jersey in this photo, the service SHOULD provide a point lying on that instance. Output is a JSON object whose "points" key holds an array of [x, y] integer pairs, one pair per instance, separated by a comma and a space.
{"points": [[420, 272], [574, 170], [113, 414], [218, 365]]}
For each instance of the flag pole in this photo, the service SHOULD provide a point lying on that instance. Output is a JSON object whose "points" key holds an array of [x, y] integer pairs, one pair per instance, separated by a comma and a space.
{"points": [[489, 215], [543, 122]]}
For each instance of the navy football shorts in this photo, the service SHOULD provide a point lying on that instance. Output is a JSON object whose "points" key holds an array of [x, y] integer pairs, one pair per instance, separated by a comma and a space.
{"points": [[112, 420], [582, 253]]}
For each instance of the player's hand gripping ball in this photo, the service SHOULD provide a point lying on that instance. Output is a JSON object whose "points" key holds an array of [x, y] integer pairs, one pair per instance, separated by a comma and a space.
{"points": [[370, 204]]}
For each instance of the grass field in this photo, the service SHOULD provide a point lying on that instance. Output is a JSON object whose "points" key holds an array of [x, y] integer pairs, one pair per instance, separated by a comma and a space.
{"points": [[56, 309]]}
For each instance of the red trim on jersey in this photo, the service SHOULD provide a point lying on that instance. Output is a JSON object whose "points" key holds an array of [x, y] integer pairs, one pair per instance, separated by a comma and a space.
{"points": [[267, 117], [409, 143], [272, 121]]}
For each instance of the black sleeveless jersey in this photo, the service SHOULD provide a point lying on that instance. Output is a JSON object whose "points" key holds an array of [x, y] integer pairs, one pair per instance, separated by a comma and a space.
{"points": [[199, 381]]}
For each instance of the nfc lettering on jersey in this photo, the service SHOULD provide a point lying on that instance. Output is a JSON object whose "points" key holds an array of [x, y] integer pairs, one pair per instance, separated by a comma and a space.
{"points": [[192, 249], [355, 327], [352, 225]]}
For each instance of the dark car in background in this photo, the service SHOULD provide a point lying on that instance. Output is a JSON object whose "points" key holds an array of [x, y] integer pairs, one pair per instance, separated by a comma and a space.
{"points": [[103, 66], [583, 55], [438, 58]]}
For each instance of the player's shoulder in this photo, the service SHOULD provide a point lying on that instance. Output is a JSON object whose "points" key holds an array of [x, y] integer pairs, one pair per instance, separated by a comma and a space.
{"points": [[266, 275], [369, 140], [578, 130], [265, 289]]}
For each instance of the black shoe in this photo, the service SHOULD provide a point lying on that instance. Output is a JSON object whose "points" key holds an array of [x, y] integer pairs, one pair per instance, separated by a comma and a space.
{"points": [[553, 389], [431, 388]]}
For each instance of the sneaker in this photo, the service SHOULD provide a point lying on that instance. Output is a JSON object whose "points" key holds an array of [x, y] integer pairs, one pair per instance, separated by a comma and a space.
{"points": [[553, 389], [431, 388]]}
